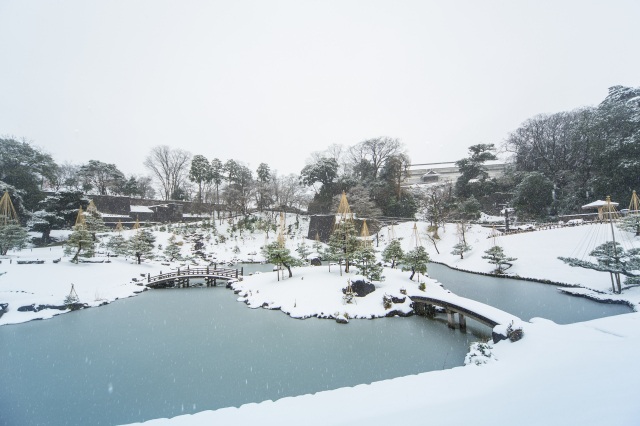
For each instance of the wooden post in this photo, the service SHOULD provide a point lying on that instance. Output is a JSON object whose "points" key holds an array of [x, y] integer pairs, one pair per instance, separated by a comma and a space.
{"points": [[242, 271], [178, 273], [148, 278], [462, 321]]}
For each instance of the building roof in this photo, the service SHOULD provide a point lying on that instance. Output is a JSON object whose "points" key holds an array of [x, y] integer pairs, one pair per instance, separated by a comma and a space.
{"points": [[597, 204]]}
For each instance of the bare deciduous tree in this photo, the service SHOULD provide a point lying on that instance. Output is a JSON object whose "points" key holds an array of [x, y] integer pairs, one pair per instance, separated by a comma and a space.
{"points": [[376, 152], [169, 167]]}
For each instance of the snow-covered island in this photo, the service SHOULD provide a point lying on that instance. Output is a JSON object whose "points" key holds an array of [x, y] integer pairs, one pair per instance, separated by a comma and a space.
{"points": [[557, 374]]}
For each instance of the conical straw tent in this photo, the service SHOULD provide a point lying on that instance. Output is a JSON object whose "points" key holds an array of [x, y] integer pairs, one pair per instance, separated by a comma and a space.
{"points": [[634, 205], [137, 224], [8, 215], [364, 234], [391, 232], [281, 231], [415, 236], [119, 227], [494, 235], [92, 209], [344, 211], [80, 222]]}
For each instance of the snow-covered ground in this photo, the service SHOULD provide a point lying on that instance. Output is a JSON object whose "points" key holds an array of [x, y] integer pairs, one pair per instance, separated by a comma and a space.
{"points": [[558, 374]]}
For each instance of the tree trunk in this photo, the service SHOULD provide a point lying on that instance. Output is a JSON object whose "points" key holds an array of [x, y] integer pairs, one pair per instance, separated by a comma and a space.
{"points": [[288, 269], [413, 272], [139, 256]]}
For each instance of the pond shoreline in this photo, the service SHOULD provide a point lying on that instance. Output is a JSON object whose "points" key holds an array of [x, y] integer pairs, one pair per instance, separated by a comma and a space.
{"points": [[589, 293]]}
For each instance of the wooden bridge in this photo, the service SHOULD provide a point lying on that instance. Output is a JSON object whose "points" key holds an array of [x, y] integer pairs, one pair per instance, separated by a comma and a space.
{"points": [[452, 304], [182, 277]]}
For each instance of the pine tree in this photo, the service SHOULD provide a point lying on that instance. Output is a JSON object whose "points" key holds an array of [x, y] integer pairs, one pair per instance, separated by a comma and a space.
{"points": [[277, 254], [93, 221], [172, 250], [612, 258], [12, 236], [460, 249], [303, 250], [80, 243], [365, 259], [416, 261], [117, 244], [141, 244], [343, 242], [317, 245], [495, 256], [393, 252]]}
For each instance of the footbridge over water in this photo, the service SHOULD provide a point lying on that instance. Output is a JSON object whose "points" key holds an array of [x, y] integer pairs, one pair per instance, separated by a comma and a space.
{"points": [[452, 304], [183, 277]]}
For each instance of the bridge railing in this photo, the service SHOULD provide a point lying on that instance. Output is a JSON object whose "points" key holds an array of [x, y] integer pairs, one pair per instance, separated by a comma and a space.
{"points": [[195, 272]]}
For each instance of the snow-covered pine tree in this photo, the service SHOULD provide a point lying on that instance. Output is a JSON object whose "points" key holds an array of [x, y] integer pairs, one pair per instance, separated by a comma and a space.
{"points": [[460, 249], [416, 261], [141, 244], [303, 250], [393, 252], [365, 259], [117, 244], [172, 250], [343, 242], [79, 244], [613, 258], [277, 254], [12, 236], [93, 220], [495, 256]]}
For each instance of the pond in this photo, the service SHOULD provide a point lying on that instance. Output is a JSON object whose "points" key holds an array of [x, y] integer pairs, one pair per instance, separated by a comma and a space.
{"points": [[176, 351], [170, 352], [525, 299]]}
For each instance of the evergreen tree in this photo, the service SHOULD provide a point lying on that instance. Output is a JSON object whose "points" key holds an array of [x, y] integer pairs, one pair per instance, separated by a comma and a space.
{"points": [[631, 223], [365, 259], [12, 236], [172, 250], [94, 223], [460, 249], [495, 256], [80, 243], [318, 246], [474, 179], [416, 261], [343, 242], [278, 254], [612, 258], [117, 244], [141, 244], [393, 252], [303, 250]]}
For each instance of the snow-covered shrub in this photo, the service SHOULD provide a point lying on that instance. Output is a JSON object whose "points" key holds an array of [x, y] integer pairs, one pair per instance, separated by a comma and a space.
{"points": [[422, 286], [387, 301], [514, 334], [480, 353]]}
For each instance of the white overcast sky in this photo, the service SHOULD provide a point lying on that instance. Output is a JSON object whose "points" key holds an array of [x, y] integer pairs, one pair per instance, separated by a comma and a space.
{"points": [[272, 81]]}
